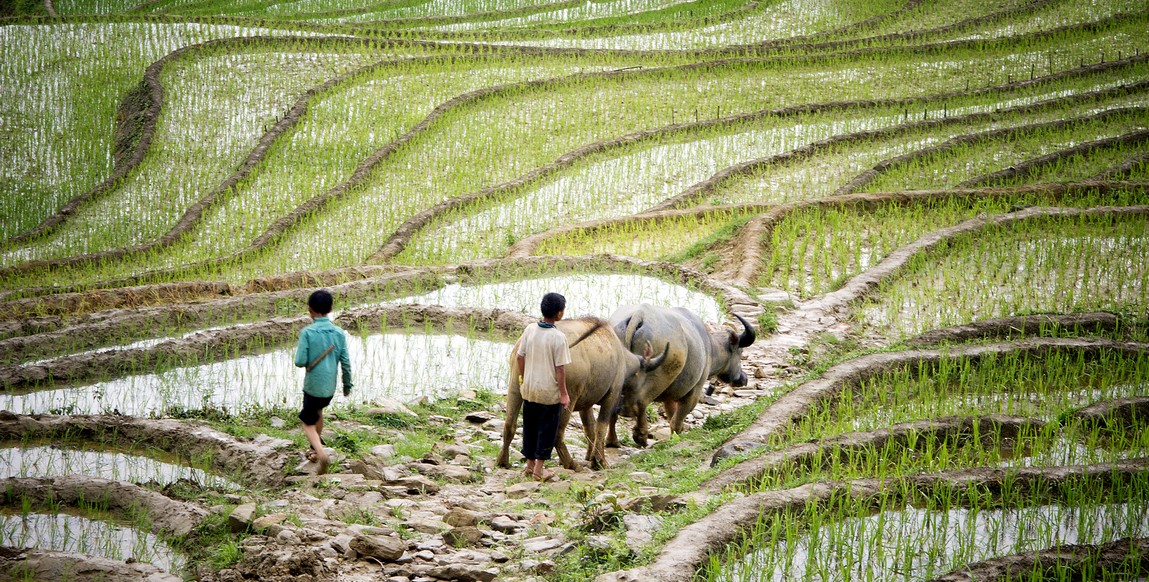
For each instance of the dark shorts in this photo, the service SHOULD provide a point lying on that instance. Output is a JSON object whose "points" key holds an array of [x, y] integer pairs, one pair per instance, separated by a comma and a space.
{"points": [[312, 406]]}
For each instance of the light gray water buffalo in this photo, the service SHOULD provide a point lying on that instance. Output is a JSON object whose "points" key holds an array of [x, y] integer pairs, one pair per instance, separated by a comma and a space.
{"points": [[693, 354], [599, 368]]}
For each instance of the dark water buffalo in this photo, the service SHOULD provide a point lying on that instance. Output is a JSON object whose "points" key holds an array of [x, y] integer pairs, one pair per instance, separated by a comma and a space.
{"points": [[693, 354], [599, 367]]}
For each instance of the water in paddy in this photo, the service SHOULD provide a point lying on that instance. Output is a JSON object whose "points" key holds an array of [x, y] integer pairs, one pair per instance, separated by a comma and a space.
{"points": [[50, 461], [403, 366], [918, 544], [587, 294], [82, 535]]}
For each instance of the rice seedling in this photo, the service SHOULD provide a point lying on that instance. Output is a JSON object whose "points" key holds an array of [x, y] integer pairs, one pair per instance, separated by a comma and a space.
{"points": [[189, 158], [920, 543], [587, 295], [65, 532], [63, 84], [53, 461], [1044, 388], [814, 251], [401, 366], [1089, 264]]}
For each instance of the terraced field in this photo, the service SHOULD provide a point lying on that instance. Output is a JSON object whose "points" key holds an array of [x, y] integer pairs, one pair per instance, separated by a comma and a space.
{"points": [[935, 213]]}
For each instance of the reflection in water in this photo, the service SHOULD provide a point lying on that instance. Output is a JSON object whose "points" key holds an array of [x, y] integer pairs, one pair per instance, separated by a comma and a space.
{"points": [[48, 461], [402, 366], [919, 544], [586, 294], [81, 535]]}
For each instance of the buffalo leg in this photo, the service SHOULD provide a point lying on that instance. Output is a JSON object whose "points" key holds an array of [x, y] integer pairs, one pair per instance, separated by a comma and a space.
{"points": [[588, 428], [510, 422], [596, 451], [565, 458], [612, 436], [683, 408], [641, 428]]}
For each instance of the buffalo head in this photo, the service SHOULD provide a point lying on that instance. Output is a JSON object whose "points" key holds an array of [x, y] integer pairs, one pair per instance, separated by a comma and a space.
{"points": [[729, 369]]}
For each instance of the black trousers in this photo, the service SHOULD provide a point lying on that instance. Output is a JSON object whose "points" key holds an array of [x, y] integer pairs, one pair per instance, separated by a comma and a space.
{"points": [[540, 426]]}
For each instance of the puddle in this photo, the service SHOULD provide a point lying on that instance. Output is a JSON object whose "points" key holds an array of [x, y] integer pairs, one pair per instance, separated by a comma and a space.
{"points": [[919, 544], [403, 366], [81, 535], [50, 461], [587, 295]]}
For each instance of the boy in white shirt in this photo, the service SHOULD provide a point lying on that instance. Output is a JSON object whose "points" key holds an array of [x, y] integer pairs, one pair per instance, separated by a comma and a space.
{"points": [[542, 357]]}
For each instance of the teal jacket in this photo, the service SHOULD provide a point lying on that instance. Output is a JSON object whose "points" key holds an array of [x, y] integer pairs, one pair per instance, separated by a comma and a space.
{"points": [[313, 340]]}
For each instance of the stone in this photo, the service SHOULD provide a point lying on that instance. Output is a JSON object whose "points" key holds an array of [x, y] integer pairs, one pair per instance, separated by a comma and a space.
{"points": [[368, 470], [342, 544], [426, 525], [452, 473], [640, 530], [454, 451], [268, 520], [505, 524], [460, 517], [462, 573], [277, 422], [462, 537], [385, 451], [240, 518], [480, 417], [520, 490], [389, 406], [541, 544], [369, 530], [382, 548], [417, 485], [653, 502], [287, 538]]}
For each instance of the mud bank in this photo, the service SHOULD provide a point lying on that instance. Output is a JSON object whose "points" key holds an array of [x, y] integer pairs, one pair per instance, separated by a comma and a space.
{"points": [[168, 516], [30, 564]]}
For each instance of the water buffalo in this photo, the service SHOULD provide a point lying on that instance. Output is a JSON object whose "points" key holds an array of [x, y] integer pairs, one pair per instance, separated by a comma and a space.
{"points": [[694, 353], [599, 367]]}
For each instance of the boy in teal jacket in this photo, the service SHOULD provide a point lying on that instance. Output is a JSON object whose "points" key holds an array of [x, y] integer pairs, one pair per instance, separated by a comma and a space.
{"points": [[322, 347]]}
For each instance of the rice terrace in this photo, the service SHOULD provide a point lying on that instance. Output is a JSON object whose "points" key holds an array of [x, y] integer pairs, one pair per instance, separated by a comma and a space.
{"points": [[932, 216]]}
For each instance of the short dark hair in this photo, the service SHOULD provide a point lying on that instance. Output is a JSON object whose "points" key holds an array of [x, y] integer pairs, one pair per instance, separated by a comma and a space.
{"points": [[552, 304], [321, 301]]}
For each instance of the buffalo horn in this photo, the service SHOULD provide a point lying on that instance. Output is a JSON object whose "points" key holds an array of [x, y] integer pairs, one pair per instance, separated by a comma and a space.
{"points": [[747, 336]]}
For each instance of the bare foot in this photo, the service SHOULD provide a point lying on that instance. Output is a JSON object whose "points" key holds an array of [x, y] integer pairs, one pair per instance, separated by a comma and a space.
{"points": [[544, 475], [324, 461]]}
